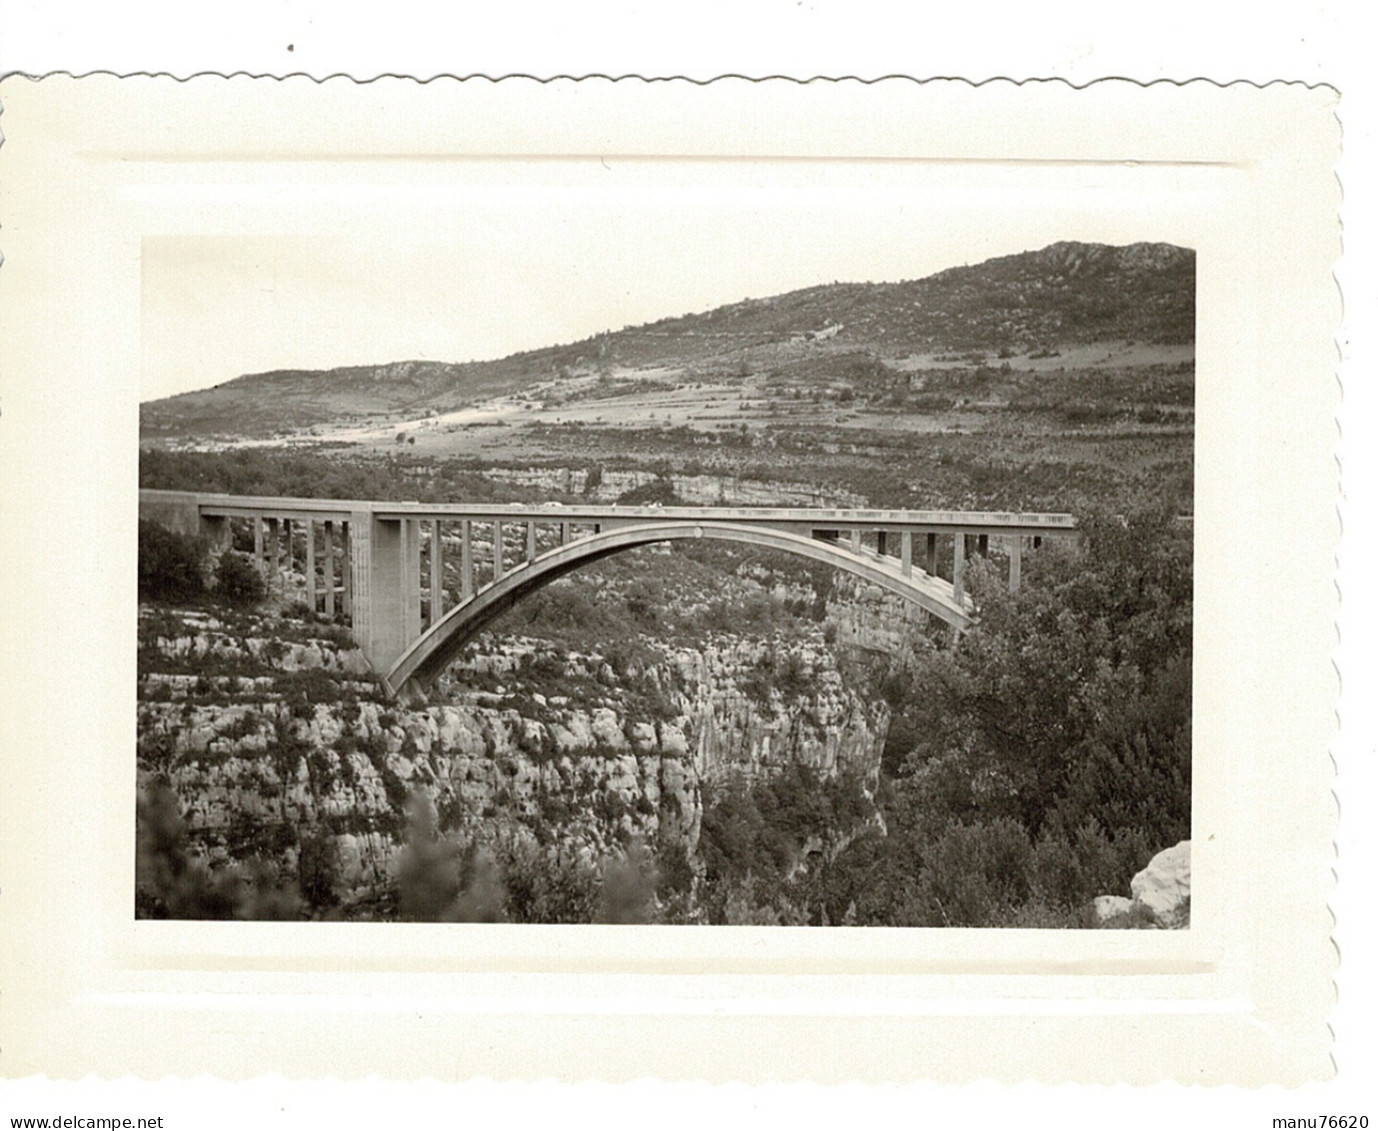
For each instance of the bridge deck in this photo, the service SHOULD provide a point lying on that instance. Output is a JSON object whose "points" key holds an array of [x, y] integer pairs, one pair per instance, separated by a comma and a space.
{"points": [[791, 518]]}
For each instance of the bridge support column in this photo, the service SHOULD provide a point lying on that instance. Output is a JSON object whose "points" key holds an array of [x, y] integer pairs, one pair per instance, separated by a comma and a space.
{"points": [[564, 533], [907, 553], [347, 568], [328, 567], [856, 541], [310, 525], [959, 566], [411, 576], [286, 554], [497, 550], [930, 558], [274, 569], [1016, 551], [437, 573], [388, 576], [466, 560], [258, 547], [530, 541]]}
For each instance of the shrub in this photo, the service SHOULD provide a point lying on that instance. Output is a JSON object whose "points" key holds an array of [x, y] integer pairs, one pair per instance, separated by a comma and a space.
{"points": [[629, 884], [169, 563], [171, 884], [975, 875], [660, 490], [548, 885], [237, 580], [318, 870], [428, 869]]}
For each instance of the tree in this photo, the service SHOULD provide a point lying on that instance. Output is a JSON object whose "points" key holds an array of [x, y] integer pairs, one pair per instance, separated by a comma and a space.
{"points": [[1068, 708], [237, 580], [169, 563]]}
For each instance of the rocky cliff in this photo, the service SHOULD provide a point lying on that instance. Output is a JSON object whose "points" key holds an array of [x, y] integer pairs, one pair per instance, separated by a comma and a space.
{"points": [[273, 737], [698, 489]]}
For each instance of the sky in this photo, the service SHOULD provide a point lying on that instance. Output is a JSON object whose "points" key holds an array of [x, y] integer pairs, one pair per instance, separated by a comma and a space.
{"points": [[482, 271]]}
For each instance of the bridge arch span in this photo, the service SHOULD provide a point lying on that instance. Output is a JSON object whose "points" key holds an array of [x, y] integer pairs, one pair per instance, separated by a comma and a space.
{"points": [[430, 653]]}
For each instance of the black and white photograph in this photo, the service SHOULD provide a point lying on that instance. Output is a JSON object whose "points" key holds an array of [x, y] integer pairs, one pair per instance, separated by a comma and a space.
{"points": [[532, 573], [617, 580]]}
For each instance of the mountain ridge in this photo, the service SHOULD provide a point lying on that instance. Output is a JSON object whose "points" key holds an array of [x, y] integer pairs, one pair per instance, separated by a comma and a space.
{"points": [[1066, 293]]}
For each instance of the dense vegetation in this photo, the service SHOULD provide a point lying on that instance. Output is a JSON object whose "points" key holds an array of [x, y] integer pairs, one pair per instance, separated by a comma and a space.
{"points": [[1048, 755], [180, 567]]}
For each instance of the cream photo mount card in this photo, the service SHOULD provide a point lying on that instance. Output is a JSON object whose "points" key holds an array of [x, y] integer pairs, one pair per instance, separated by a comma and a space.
{"points": [[116, 192]]}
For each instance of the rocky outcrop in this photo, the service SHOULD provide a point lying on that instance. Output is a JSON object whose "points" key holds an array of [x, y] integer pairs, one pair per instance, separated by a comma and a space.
{"points": [[1164, 887], [265, 752], [702, 489], [1160, 895], [866, 619]]}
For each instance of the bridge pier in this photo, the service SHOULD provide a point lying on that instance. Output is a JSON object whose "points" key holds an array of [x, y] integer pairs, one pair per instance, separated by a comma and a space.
{"points": [[285, 561], [466, 560], [907, 553], [959, 566], [1016, 550], [498, 570], [411, 576], [386, 559], [437, 573], [311, 590], [274, 555], [347, 568], [530, 541], [328, 567]]}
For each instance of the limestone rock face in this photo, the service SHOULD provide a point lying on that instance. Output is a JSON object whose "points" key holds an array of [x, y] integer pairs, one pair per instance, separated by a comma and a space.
{"points": [[1160, 894], [1164, 887], [705, 490], [868, 620], [594, 755]]}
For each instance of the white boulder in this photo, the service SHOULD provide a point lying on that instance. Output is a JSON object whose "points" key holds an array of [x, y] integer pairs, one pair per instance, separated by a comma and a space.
{"points": [[1164, 887]]}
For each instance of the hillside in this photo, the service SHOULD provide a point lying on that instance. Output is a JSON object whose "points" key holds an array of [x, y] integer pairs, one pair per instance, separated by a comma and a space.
{"points": [[1030, 305]]}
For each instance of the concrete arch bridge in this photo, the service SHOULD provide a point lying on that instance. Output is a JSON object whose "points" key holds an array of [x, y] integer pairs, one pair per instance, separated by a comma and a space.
{"points": [[375, 560]]}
